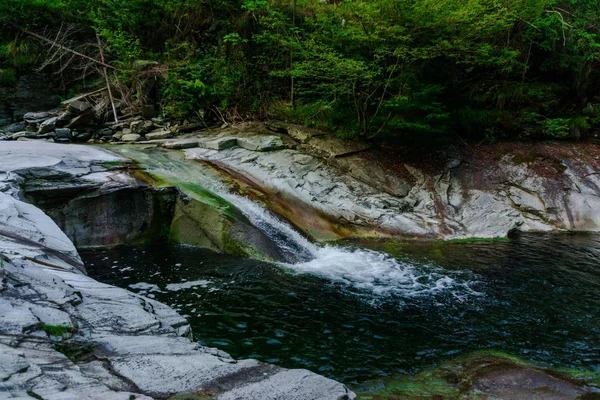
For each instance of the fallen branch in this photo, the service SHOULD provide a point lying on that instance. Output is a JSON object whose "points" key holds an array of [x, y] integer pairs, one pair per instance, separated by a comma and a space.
{"points": [[82, 96], [110, 96], [60, 46]]}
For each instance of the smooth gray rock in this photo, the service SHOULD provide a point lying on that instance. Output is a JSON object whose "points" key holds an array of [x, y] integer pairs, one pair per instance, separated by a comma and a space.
{"points": [[310, 181], [132, 137], [220, 143], [141, 127], [63, 133], [14, 128], [79, 121], [36, 117], [158, 135], [261, 143], [22, 134], [26, 230], [79, 107], [181, 144], [47, 125]]}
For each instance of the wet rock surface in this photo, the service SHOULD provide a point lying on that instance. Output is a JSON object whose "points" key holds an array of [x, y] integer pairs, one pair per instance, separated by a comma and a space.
{"points": [[64, 335]]}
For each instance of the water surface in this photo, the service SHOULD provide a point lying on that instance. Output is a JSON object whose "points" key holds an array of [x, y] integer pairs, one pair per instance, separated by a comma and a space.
{"points": [[537, 296]]}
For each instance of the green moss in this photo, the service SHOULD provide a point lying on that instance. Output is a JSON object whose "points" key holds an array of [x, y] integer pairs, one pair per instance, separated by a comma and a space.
{"points": [[148, 178], [191, 396], [525, 158], [422, 386], [58, 330], [231, 245], [211, 199], [454, 380], [7, 77], [475, 240], [74, 350]]}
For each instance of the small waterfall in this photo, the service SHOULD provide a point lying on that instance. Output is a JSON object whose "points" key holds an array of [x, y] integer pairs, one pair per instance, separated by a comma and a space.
{"points": [[361, 269]]}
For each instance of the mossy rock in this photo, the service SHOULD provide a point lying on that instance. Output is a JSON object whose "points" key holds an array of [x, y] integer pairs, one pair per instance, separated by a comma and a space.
{"points": [[488, 375]]}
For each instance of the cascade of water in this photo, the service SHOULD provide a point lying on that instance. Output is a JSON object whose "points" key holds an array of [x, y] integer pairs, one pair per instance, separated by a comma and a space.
{"points": [[362, 269]]}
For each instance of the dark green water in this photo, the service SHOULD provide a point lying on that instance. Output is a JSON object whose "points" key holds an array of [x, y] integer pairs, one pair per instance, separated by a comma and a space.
{"points": [[536, 296]]}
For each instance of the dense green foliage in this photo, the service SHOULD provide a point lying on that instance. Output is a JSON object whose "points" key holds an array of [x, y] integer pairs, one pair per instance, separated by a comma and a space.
{"points": [[387, 69]]}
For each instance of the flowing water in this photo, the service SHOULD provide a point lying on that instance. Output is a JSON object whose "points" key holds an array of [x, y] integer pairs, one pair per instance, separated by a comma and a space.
{"points": [[535, 296], [361, 268], [353, 313]]}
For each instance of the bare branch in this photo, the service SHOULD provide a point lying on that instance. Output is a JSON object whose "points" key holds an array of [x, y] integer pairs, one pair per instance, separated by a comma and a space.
{"points": [[44, 39]]}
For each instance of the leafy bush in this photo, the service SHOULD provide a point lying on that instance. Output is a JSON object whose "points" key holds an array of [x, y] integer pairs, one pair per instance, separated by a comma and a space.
{"points": [[396, 70]]}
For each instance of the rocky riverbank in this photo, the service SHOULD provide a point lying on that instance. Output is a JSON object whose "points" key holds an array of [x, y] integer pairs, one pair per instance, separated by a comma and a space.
{"points": [[332, 189], [65, 336]]}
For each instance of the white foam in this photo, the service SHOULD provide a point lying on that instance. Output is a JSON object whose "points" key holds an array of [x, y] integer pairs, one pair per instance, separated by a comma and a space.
{"points": [[145, 286], [377, 272], [174, 287]]}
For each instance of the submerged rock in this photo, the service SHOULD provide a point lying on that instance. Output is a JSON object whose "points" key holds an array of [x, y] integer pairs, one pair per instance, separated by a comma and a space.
{"points": [[487, 375]]}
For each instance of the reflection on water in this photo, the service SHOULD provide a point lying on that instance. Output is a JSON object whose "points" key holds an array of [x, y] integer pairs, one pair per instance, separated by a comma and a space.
{"points": [[537, 296]]}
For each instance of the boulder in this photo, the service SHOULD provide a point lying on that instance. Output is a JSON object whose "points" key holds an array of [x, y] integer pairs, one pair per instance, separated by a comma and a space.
{"points": [[23, 134], [14, 128], [63, 118], [105, 133], [141, 127], [158, 135], [261, 143], [132, 137], [218, 143], [79, 107], [62, 133], [36, 117], [47, 125], [82, 136], [80, 120]]}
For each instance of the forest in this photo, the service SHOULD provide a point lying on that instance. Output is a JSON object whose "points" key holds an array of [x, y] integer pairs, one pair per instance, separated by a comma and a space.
{"points": [[396, 71]]}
